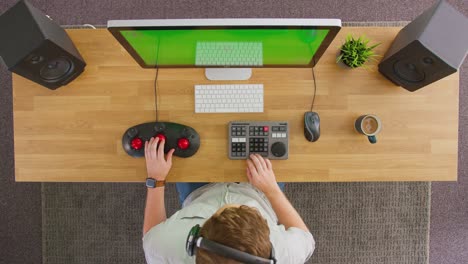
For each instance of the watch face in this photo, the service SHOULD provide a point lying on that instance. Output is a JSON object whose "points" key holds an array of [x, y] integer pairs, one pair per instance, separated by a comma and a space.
{"points": [[150, 183]]}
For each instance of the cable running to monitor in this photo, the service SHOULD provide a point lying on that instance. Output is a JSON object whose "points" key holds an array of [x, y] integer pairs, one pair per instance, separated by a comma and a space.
{"points": [[156, 82], [156, 94], [315, 87]]}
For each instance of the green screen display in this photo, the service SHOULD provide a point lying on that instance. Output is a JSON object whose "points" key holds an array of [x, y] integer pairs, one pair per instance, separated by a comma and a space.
{"points": [[198, 47]]}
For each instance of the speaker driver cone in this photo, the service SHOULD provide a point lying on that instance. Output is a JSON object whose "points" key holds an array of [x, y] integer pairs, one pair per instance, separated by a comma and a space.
{"points": [[408, 72], [56, 69]]}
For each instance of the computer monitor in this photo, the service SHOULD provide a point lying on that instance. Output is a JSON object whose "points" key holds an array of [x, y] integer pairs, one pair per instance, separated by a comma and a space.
{"points": [[227, 48]]}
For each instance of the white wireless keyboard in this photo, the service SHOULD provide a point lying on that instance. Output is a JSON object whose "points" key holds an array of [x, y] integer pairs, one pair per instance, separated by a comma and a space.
{"points": [[229, 98]]}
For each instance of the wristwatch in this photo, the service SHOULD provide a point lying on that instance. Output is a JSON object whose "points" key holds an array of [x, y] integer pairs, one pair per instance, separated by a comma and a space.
{"points": [[153, 183]]}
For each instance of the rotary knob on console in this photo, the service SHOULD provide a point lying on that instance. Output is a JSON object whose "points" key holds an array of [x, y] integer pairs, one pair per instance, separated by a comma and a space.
{"points": [[186, 133], [159, 127], [132, 132], [278, 149], [183, 143]]}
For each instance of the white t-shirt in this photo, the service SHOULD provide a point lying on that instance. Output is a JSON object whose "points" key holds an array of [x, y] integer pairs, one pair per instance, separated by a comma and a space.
{"points": [[165, 243]]}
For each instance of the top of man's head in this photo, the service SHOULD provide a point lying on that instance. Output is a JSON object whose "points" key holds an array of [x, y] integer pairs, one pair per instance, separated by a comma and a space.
{"points": [[242, 228]]}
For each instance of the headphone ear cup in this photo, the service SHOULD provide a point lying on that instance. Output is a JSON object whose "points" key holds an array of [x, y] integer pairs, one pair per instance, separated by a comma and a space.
{"points": [[272, 254], [191, 243]]}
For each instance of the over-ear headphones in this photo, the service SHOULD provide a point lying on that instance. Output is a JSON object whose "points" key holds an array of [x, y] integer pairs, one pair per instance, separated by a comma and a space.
{"points": [[194, 241]]}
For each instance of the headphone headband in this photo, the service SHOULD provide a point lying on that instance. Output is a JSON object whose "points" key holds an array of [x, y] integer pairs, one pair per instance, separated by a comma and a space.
{"points": [[195, 241]]}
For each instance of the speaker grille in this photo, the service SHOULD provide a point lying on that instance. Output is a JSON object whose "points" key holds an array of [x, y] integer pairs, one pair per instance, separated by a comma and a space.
{"points": [[56, 69], [408, 71]]}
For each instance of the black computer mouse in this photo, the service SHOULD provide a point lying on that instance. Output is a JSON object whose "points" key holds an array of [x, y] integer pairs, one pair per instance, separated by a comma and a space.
{"points": [[311, 126]]}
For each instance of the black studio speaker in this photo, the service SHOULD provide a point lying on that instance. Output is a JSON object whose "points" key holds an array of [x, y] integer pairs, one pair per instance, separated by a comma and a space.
{"points": [[429, 48], [37, 48]]}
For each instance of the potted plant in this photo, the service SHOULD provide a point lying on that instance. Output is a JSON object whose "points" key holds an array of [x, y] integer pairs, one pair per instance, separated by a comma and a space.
{"points": [[354, 53]]}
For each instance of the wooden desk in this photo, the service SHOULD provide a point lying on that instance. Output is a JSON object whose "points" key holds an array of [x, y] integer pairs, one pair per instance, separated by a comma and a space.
{"points": [[74, 133]]}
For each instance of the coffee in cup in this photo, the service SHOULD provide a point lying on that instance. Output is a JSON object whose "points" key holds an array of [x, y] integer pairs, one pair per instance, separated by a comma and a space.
{"points": [[369, 125]]}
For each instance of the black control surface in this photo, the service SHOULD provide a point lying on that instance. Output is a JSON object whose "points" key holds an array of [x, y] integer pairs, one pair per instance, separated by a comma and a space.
{"points": [[184, 139], [266, 138]]}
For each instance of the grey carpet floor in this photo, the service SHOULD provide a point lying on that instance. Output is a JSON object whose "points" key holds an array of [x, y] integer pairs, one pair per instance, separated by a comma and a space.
{"points": [[352, 222]]}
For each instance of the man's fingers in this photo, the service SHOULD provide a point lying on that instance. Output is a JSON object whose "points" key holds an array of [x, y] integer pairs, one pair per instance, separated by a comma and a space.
{"points": [[169, 156], [146, 149], [257, 163], [154, 147], [268, 163], [161, 149], [150, 145], [252, 168], [262, 161], [249, 176]]}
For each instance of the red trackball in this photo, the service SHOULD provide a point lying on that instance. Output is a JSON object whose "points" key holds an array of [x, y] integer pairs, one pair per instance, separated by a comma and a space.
{"points": [[183, 143], [161, 137], [136, 143]]}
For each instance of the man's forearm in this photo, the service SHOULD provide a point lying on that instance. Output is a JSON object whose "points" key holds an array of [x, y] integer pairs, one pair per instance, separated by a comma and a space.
{"points": [[286, 213], [155, 210]]}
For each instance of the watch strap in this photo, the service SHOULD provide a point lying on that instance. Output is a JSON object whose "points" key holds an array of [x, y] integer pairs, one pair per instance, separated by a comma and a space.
{"points": [[160, 183], [156, 183]]}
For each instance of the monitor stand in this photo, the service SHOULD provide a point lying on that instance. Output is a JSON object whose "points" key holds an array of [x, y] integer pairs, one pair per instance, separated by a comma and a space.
{"points": [[228, 74]]}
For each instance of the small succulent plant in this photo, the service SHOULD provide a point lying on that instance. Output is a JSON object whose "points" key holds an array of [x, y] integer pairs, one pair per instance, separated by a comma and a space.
{"points": [[355, 52]]}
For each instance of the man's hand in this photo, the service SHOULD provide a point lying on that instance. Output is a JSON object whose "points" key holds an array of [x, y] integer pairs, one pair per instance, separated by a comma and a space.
{"points": [[260, 174], [156, 165]]}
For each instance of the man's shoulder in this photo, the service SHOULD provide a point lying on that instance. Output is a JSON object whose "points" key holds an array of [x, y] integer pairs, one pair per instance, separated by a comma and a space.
{"points": [[293, 245], [178, 225], [165, 243]]}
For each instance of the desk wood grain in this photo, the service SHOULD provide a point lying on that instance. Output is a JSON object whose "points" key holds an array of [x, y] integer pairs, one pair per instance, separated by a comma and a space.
{"points": [[74, 133]]}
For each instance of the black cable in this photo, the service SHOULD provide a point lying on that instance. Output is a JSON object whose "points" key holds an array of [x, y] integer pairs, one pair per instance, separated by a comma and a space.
{"points": [[156, 94], [156, 81], [315, 88]]}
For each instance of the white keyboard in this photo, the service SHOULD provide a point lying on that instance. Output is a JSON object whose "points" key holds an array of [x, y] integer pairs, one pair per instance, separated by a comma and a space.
{"points": [[230, 98]]}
